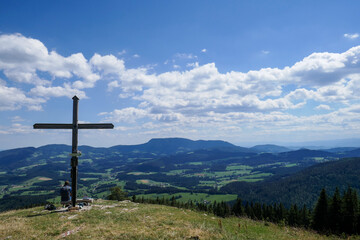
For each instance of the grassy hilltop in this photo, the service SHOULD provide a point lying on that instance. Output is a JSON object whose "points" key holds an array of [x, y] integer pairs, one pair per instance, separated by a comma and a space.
{"points": [[128, 220]]}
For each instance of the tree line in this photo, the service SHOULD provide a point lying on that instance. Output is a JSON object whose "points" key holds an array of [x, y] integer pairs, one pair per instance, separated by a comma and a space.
{"points": [[334, 214]]}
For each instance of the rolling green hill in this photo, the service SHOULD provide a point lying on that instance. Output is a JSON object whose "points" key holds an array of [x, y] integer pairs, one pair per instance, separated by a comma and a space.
{"points": [[196, 170], [302, 187], [127, 220]]}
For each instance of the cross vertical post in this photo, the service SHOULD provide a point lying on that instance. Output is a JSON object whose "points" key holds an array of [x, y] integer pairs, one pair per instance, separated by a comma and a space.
{"points": [[75, 126], [74, 158]]}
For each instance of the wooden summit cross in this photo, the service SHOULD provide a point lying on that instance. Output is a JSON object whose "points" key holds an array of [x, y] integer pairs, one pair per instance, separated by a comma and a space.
{"points": [[75, 153]]}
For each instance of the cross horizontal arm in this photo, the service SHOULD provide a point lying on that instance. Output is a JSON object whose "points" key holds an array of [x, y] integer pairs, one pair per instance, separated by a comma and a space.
{"points": [[96, 126], [70, 126], [52, 126]]}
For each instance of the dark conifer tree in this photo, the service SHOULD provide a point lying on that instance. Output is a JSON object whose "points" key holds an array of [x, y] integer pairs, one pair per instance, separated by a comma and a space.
{"points": [[172, 201], [320, 216], [335, 214], [258, 211], [305, 217], [281, 213], [350, 207], [294, 216], [238, 209], [249, 212]]}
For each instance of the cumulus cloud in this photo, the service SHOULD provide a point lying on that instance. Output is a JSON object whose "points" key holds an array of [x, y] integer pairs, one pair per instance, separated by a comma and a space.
{"points": [[323, 107], [21, 58], [204, 50], [17, 119], [59, 91], [12, 99], [199, 97], [195, 64], [123, 52], [129, 114], [185, 56], [351, 35]]}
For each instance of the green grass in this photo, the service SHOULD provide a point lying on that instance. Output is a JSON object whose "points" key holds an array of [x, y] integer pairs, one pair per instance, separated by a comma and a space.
{"points": [[127, 220], [238, 167], [83, 161], [152, 183], [141, 173], [257, 176], [29, 167], [34, 193], [195, 163], [291, 165], [198, 197], [176, 172], [88, 179]]}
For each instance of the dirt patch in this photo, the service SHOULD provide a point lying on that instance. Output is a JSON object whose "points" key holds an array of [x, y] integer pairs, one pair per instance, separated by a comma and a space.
{"points": [[44, 179], [144, 181]]}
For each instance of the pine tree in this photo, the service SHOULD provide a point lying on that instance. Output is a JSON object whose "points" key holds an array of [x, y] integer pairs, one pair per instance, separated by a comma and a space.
{"points": [[258, 211], [349, 209], [294, 216], [281, 213], [305, 217], [320, 217], [335, 214], [238, 209]]}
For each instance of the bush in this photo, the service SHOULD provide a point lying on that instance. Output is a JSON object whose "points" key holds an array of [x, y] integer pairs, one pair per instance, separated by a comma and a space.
{"points": [[117, 194]]}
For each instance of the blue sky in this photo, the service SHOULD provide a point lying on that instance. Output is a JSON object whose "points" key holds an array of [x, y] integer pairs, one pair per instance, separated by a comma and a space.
{"points": [[247, 72]]}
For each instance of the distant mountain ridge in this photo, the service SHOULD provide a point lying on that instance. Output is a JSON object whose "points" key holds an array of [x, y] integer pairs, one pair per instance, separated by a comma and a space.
{"points": [[270, 148], [176, 145]]}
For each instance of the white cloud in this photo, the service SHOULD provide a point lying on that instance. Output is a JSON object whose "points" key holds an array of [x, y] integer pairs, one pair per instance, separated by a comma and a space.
{"points": [[192, 100], [265, 52], [123, 52], [351, 35], [185, 56], [195, 64], [129, 114], [136, 56], [65, 91], [204, 50], [323, 107], [12, 99], [21, 58], [17, 119]]}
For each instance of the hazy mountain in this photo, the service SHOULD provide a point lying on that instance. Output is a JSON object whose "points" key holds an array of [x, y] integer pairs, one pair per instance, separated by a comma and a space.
{"points": [[340, 149], [176, 145], [270, 148]]}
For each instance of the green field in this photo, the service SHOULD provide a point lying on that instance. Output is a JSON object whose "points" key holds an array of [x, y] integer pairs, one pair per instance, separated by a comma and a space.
{"points": [[195, 197]]}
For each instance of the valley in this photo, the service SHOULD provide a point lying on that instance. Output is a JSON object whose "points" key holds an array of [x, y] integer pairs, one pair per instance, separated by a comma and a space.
{"points": [[201, 171]]}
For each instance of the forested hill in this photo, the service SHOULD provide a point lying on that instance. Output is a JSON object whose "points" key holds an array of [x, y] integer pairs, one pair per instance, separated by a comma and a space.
{"points": [[170, 166], [176, 145], [302, 187]]}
